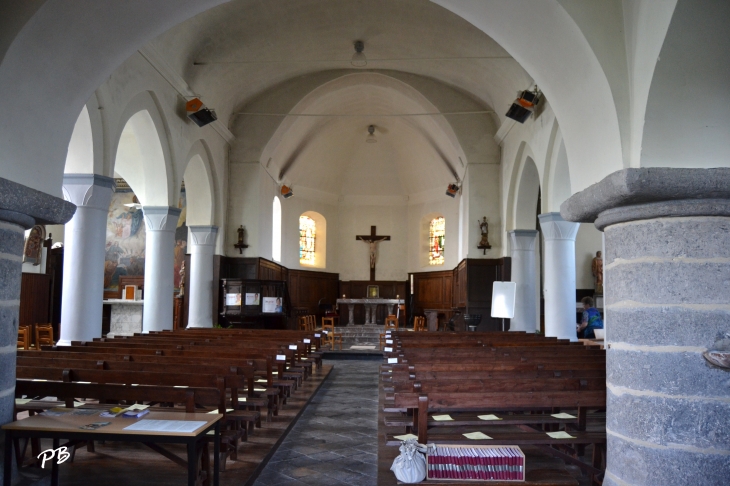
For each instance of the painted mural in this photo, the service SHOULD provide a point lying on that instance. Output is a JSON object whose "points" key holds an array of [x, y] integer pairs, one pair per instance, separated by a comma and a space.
{"points": [[125, 238]]}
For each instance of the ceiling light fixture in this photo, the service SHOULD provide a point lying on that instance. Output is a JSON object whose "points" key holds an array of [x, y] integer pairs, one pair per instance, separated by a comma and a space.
{"points": [[359, 59], [371, 135]]}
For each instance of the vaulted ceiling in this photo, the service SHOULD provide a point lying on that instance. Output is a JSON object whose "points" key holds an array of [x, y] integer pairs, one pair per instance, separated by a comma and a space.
{"points": [[239, 53]]}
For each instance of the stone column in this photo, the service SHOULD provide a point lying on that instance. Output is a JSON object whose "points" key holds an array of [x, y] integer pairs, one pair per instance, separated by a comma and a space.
{"points": [[524, 275], [200, 286], [20, 208], [559, 291], [667, 297], [159, 263], [351, 314], [83, 256]]}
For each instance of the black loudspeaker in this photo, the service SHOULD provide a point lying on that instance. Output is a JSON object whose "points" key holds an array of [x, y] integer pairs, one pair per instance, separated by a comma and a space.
{"points": [[200, 115], [523, 106]]}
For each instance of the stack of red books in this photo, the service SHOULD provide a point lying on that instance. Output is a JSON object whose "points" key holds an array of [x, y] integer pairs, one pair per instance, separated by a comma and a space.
{"points": [[476, 463]]}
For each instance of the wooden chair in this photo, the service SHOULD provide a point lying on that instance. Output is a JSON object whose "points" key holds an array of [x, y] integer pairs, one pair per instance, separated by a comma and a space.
{"points": [[303, 323], [419, 323], [23, 337], [43, 335], [311, 323], [328, 324], [391, 322]]}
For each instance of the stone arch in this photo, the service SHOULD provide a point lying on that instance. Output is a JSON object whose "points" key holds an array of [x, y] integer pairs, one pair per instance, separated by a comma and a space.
{"points": [[524, 187], [320, 246], [142, 152], [295, 137], [80, 154], [200, 186], [561, 48], [526, 196], [556, 175], [559, 183]]}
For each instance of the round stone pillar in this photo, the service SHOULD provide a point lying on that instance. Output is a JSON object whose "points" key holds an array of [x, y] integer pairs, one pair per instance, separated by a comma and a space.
{"points": [[159, 266], [83, 256], [667, 298], [200, 287], [525, 276], [20, 208], [559, 291]]}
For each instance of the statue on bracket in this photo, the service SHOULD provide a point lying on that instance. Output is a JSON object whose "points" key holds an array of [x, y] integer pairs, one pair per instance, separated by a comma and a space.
{"points": [[597, 269], [484, 229]]}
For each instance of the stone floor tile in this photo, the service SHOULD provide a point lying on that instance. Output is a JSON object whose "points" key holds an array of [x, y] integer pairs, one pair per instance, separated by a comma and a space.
{"points": [[335, 440]]}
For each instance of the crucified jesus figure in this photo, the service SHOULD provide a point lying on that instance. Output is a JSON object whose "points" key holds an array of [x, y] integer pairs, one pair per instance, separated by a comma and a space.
{"points": [[372, 240]]}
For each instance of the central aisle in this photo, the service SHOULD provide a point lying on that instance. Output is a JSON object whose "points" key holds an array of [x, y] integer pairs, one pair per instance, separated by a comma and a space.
{"points": [[335, 440]]}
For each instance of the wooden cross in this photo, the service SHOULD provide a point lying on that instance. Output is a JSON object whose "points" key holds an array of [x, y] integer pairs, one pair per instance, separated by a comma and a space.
{"points": [[372, 239]]}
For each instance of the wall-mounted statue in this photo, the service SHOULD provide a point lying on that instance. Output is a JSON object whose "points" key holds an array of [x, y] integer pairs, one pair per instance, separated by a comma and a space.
{"points": [[597, 269], [484, 230]]}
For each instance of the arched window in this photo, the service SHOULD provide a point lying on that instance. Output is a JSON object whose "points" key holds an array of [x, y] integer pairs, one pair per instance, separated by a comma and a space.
{"points": [[276, 230], [307, 240], [436, 235]]}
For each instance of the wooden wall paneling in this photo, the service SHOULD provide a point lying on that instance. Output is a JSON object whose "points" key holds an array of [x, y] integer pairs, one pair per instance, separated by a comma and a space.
{"points": [[481, 275], [55, 263], [306, 288], [268, 270], [243, 268], [35, 299], [432, 290]]}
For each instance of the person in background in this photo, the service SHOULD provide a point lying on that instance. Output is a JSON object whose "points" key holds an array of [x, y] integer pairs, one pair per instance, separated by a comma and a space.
{"points": [[591, 320]]}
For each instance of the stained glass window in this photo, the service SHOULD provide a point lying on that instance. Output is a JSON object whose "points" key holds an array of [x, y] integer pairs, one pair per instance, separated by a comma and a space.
{"points": [[436, 234], [307, 237]]}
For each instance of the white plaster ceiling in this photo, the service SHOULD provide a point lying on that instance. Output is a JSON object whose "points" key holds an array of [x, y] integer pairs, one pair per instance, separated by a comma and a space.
{"points": [[217, 53], [331, 153], [208, 49]]}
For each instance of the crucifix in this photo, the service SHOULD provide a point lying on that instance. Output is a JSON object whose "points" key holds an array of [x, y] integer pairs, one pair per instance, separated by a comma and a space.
{"points": [[372, 239]]}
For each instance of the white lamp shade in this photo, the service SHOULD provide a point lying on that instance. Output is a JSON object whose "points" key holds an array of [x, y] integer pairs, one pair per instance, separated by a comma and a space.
{"points": [[503, 300]]}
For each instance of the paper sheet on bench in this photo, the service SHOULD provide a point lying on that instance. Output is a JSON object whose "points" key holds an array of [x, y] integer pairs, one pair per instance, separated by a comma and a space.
{"points": [[405, 437], [441, 418], [22, 401], [563, 416], [476, 436], [166, 425], [488, 417], [228, 410], [560, 435]]}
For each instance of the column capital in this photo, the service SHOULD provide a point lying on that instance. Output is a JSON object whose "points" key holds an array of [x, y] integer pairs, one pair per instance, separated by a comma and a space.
{"points": [[26, 207], [89, 190], [203, 235], [523, 239], [161, 218], [648, 193], [554, 227]]}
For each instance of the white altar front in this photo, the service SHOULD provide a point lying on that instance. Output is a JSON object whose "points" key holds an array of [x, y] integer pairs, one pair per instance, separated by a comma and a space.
{"points": [[371, 306], [126, 317]]}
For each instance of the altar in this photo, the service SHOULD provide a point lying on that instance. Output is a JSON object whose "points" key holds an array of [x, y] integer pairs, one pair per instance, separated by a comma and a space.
{"points": [[371, 306], [126, 317]]}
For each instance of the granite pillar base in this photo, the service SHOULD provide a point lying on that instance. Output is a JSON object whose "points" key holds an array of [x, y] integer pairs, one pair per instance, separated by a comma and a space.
{"points": [[20, 208], [667, 299]]}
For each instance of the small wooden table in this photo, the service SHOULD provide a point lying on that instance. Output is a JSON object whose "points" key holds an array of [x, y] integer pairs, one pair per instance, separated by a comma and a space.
{"points": [[67, 427]]}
